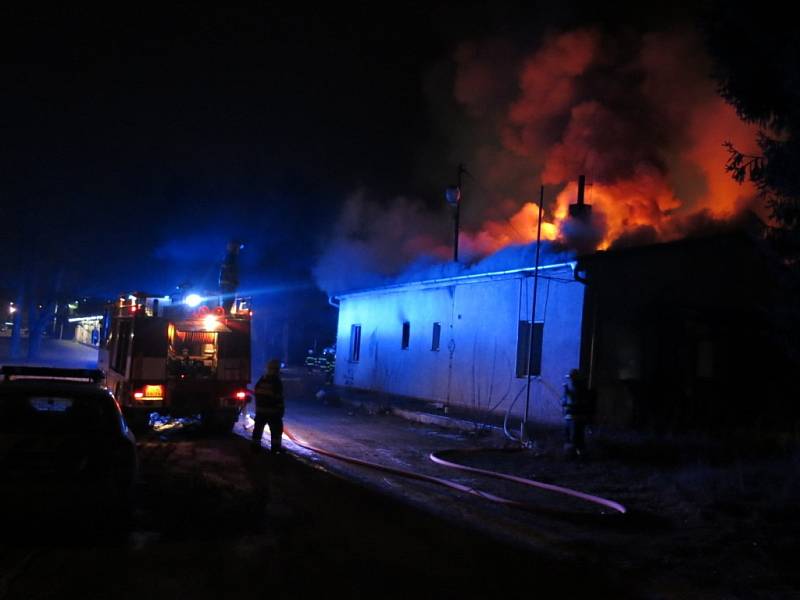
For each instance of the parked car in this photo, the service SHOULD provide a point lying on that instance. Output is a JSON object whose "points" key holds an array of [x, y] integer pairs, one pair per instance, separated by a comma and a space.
{"points": [[65, 448]]}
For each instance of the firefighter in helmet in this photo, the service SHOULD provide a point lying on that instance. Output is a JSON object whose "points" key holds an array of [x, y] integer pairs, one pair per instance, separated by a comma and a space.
{"points": [[269, 407]]}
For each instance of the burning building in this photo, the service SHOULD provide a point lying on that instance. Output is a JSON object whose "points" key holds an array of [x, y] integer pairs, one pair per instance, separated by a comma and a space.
{"points": [[672, 335], [464, 340], [690, 333], [671, 315]]}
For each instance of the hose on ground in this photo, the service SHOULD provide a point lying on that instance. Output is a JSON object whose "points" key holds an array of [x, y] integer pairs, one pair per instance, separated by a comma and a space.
{"points": [[533, 483], [405, 473], [461, 487]]}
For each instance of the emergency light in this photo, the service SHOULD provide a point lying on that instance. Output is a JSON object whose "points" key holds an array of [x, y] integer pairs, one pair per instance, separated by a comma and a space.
{"points": [[210, 322], [193, 300]]}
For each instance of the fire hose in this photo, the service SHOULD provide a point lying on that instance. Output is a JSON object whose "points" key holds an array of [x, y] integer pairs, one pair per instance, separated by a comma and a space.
{"points": [[461, 487], [533, 483], [405, 473]]}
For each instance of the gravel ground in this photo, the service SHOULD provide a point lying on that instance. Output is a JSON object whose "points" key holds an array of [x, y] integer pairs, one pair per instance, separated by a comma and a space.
{"points": [[215, 520], [705, 518]]}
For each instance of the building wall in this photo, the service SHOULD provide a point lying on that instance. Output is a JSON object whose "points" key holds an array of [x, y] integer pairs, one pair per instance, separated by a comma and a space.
{"points": [[696, 347], [475, 365]]}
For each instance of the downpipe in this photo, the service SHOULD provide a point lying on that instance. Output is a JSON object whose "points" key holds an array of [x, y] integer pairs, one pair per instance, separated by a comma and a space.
{"points": [[506, 430]]}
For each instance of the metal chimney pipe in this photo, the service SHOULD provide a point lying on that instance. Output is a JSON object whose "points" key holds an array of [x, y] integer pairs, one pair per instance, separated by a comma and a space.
{"points": [[580, 210]]}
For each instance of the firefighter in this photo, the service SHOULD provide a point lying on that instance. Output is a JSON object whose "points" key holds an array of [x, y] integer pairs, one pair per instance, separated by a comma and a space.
{"points": [[269, 407], [577, 405], [311, 361]]}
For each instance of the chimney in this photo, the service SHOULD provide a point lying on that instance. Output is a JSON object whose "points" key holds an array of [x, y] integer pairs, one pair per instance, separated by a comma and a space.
{"points": [[581, 210]]}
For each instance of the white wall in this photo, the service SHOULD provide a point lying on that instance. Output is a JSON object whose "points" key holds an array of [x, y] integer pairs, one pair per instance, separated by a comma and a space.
{"points": [[480, 320]]}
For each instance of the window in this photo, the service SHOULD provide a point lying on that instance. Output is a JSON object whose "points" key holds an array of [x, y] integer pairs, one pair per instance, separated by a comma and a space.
{"points": [[355, 343], [54, 415], [437, 335], [523, 345], [406, 335]]}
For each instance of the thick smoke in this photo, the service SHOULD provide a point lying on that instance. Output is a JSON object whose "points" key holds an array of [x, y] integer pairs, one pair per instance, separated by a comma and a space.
{"points": [[372, 241], [637, 114]]}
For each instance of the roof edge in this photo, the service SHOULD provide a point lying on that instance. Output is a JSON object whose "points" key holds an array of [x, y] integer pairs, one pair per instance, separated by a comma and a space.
{"points": [[455, 279]]}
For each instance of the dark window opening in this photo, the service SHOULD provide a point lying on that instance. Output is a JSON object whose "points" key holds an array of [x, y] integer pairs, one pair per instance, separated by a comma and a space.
{"points": [[406, 335], [437, 335], [524, 346], [355, 343]]}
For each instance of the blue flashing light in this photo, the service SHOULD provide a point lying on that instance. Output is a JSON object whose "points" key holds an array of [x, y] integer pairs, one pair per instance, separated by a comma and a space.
{"points": [[193, 300]]}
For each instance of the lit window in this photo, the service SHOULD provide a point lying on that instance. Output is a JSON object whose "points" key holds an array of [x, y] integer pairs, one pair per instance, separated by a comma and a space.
{"points": [[406, 335], [524, 347], [437, 336], [355, 342]]}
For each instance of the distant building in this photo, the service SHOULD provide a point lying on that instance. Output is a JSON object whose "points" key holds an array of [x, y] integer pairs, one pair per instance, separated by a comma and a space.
{"points": [[463, 341], [699, 332], [87, 329], [80, 320]]}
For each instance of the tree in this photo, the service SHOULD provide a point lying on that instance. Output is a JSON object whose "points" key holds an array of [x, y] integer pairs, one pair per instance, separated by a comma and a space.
{"points": [[756, 54], [38, 281]]}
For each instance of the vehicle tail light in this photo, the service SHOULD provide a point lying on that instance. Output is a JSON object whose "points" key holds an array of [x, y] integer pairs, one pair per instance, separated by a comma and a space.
{"points": [[150, 392], [154, 392], [241, 395]]}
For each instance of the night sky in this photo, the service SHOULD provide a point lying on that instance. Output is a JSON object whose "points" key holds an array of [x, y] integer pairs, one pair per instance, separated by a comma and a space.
{"points": [[136, 143]]}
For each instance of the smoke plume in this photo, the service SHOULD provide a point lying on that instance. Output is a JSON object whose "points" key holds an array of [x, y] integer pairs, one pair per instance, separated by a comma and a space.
{"points": [[637, 114]]}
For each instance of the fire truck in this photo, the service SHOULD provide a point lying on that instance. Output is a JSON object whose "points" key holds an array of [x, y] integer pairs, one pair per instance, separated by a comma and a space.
{"points": [[178, 357]]}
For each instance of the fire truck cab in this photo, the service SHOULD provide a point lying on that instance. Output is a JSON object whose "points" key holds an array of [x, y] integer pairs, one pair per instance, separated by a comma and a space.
{"points": [[160, 355]]}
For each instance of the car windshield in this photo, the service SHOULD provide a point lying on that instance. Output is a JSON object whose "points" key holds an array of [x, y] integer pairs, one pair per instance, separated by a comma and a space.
{"points": [[54, 413]]}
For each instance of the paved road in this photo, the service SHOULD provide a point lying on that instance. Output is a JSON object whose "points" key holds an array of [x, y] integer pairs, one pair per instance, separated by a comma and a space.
{"points": [[53, 353]]}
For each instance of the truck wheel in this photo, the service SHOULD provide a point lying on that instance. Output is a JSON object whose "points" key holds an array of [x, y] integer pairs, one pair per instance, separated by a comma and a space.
{"points": [[137, 420], [220, 422]]}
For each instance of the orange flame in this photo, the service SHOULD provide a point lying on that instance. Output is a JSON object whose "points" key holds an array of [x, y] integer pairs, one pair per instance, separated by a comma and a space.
{"points": [[519, 229], [651, 144]]}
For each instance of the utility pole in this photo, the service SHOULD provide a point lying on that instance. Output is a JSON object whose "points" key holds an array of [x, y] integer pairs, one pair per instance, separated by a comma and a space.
{"points": [[523, 433], [453, 197]]}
